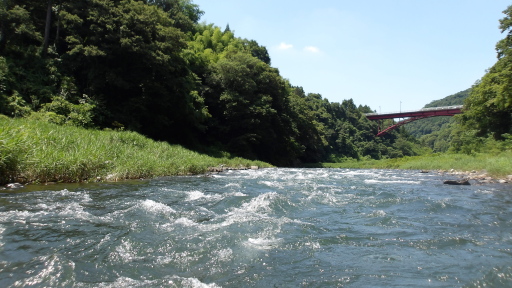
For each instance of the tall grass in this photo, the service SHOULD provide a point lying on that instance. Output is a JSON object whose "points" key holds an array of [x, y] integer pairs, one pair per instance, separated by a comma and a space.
{"points": [[497, 164], [36, 151]]}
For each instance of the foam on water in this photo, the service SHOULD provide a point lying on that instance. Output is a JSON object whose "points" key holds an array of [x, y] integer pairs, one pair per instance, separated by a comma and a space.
{"points": [[324, 198], [185, 222], [223, 255], [76, 196], [191, 283], [233, 185], [153, 207], [264, 244], [377, 213], [126, 253], [373, 181], [261, 203], [263, 228], [41, 212], [172, 282], [274, 184], [194, 195], [366, 173]]}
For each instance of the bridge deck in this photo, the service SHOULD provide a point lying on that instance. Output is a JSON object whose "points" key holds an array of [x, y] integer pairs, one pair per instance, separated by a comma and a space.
{"points": [[425, 112]]}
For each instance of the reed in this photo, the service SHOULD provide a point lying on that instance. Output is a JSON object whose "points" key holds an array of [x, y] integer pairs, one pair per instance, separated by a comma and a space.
{"points": [[36, 151]]}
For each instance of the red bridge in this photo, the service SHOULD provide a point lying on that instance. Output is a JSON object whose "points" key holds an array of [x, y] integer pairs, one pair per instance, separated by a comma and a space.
{"points": [[413, 116]]}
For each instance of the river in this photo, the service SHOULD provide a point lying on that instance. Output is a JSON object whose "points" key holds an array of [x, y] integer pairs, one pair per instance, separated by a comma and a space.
{"points": [[259, 228]]}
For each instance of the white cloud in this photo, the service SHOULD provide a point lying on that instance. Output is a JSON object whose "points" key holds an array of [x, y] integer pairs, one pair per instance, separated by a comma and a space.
{"points": [[311, 49], [284, 46]]}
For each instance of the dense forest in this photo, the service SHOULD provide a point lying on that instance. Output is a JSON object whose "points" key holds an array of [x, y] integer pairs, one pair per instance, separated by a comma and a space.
{"points": [[150, 66]]}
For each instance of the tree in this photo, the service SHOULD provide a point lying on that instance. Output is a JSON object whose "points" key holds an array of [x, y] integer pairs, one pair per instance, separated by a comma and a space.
{"points": [[310, 131], [257, 51], [46, 40], [127, 55], [30, 77], [250, 103], [488, 109], [184, 13]]}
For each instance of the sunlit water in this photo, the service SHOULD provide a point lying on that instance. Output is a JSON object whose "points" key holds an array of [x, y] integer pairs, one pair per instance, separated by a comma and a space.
{"points": [[264, 228]]}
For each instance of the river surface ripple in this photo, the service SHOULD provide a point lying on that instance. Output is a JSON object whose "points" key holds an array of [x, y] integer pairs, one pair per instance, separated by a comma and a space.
{"points": [[263, 228]]}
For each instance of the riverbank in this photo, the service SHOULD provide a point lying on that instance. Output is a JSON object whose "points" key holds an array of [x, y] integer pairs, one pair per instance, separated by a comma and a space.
{"points": [[38, 152], [482, 167]]}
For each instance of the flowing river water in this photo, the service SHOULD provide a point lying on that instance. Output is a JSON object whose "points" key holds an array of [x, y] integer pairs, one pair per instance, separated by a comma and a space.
{"points": [[259, 228]]}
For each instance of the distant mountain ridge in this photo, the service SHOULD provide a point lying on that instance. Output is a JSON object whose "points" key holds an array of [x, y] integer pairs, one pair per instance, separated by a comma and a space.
{"points": [[455, 99], [430, 125]]}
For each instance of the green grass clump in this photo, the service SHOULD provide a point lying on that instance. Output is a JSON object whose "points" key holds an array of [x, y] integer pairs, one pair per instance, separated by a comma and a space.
{"points": [[36, 151], [497, 164]]}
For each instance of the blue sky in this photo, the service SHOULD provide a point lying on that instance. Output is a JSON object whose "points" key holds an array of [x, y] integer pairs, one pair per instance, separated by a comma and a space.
{"points": [[387, 54]]}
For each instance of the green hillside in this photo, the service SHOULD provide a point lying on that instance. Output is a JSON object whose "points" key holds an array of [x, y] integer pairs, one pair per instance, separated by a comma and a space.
{"points": [[455, 99], [428, 126]]}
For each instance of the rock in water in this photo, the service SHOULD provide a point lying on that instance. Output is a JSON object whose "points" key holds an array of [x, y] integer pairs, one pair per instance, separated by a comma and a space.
{"points": [[457, 182], [13, 186]]}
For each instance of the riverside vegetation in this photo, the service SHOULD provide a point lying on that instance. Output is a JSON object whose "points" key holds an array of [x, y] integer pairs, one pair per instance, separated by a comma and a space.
{"points": [[495, 165], [36, 151], [151, 68]]}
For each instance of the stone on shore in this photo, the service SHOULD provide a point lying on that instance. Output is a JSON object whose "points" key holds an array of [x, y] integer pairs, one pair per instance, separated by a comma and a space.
{"points": [[480, 177]]}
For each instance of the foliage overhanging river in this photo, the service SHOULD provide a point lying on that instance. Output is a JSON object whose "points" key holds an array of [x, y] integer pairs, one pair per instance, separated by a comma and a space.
{"points": [[263, 228]]}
